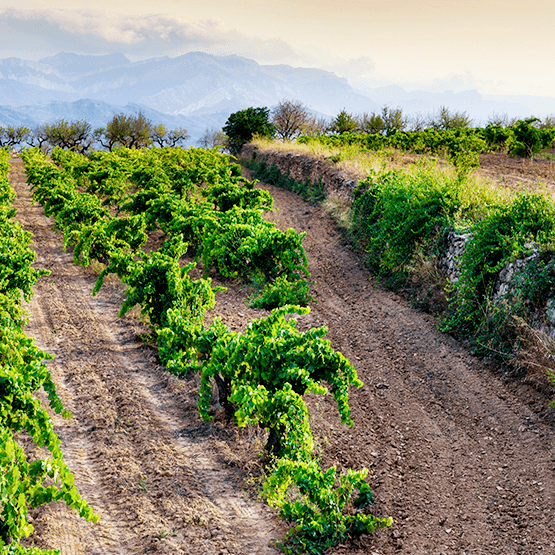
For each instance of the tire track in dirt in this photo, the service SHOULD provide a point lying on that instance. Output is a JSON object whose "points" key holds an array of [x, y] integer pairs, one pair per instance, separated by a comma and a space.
{"points": [[141, 455], [461, 460]]}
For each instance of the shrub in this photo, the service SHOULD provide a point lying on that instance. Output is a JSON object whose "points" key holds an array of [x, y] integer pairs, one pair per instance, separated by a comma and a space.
{"points": [[241, 126]]}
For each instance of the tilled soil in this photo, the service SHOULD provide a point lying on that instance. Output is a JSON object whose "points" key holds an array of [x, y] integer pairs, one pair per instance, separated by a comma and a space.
{"points": [[518, 172], [461, 459]]}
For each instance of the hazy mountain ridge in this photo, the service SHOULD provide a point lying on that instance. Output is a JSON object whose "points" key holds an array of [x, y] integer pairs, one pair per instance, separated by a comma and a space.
{"points": [[199, 90], [187, 91]]}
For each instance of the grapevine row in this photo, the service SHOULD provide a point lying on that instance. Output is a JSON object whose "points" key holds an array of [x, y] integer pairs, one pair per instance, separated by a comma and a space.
{"points": [[197, 199], [461, 145], [23, 483]]}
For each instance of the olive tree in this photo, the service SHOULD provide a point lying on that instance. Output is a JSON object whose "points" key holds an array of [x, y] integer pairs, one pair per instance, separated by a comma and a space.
{"points": [[168, 137], [13, 136], [76, 135], [131, 131]]}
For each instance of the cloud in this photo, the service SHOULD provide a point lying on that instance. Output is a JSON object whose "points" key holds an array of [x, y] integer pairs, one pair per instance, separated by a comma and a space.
{"points": [[87, 32]]}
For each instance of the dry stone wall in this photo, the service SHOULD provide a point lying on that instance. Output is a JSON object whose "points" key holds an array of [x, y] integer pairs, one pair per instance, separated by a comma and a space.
{"points": [[300, 167], [341, 184]]}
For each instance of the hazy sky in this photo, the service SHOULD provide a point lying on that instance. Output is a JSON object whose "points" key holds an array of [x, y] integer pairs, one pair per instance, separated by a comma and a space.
{"points": [[499, 47]]}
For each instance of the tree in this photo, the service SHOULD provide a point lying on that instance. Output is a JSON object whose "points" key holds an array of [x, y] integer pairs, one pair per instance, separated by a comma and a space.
{"points": [[445, 119], [289, 118], [528, 139], [65, 134], [393, 120], [315, 126], [344, 123], [241, 126], [37, 137], [389, 121], [13, 136], [417, 122], [165, 137], [371, 123], [212, 138], [131, 131]]}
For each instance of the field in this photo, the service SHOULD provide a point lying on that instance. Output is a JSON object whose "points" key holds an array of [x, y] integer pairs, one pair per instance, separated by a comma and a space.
{"points": [[458, 456]]}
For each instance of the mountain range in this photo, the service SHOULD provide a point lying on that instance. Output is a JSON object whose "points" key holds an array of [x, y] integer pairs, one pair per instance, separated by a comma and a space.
{"points": [[199, 90]]}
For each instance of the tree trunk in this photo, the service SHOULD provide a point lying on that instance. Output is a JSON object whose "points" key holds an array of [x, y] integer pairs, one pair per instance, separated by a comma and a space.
{"points": [[224, 391], [273, 445]]}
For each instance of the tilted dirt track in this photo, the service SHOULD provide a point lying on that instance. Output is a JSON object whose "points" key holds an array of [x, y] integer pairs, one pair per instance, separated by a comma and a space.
{"points": [[462, 461], [159, 478], [459, 459]]}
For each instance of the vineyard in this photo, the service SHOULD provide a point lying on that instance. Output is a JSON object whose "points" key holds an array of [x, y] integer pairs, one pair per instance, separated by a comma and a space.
{"points": [[220, 279]]}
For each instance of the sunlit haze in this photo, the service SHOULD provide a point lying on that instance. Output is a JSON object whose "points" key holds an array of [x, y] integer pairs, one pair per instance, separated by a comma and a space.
{"points": [[492, 46]]}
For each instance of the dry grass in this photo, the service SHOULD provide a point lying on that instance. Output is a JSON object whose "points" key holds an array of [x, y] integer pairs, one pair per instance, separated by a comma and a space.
{"points": [[537, 356], [340, 209]]}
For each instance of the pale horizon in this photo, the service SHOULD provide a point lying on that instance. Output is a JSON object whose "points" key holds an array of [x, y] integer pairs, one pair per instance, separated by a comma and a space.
{"points": [[492, 47]]}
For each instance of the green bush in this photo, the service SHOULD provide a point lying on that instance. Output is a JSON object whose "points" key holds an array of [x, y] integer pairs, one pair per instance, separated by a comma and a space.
{"points": [[241, 126], [500, 237], [393, 213]]}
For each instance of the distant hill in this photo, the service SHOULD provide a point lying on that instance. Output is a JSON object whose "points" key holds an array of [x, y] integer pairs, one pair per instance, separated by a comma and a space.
{"points": [[198, 90], [195, 91]]}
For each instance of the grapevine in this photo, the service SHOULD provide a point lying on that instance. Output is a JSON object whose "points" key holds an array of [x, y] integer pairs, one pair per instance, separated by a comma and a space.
{"points": [[23, 372]]}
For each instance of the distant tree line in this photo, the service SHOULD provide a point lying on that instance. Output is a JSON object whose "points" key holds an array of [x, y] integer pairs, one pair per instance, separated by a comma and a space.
{"points": [[132, 131], [290, 119]]}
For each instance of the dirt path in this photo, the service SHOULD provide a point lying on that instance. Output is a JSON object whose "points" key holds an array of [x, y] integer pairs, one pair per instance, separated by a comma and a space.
{"points": [[160, 479], [461, 460]]}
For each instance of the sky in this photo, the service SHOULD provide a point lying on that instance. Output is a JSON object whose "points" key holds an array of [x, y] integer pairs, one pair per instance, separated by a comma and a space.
{"points": [[493, 46]]}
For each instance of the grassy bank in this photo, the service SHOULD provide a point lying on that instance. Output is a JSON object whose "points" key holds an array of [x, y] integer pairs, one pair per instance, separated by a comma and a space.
{"points": [[400, 218]]}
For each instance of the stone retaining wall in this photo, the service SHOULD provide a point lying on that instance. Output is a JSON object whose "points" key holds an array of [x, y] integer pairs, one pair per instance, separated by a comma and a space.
{"points": [[305, 168], [341, 184]]}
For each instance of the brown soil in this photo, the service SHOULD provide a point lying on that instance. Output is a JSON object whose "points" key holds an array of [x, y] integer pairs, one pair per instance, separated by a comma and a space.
{"points": [[518, 172], [459, 458]]}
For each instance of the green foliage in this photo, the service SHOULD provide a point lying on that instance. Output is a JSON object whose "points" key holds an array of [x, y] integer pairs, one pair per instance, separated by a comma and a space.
{"points": [[270, 368], [447, 120], [311, 192], [321, 505], [281, 292], [241, 243], [25, 484], [12, 136], [528, 139], [131, 131], [394, 213], [18, 549], [65, 134], [502, 236], [99, 240], [241, 126], [344, 123], [198, 197]]}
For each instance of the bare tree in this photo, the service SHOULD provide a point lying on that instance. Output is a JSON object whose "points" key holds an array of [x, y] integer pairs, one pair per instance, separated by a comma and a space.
{"points": [[417, 122], [213, 138], [315, 126], [289, 118]]}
